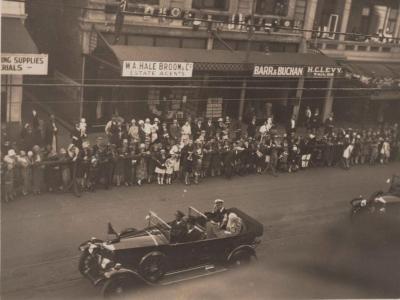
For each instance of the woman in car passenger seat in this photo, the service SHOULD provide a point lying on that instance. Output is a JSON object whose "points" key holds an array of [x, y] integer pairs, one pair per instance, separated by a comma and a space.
{"points": [[234, 225]]}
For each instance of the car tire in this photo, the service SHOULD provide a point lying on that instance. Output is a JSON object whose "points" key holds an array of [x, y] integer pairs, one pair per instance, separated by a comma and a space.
{"points": [[241, 258], [116, 287], [152, 267]]}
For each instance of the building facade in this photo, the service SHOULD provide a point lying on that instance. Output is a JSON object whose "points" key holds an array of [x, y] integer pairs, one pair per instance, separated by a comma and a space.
{"points": [[224, 40], [19, 57]]}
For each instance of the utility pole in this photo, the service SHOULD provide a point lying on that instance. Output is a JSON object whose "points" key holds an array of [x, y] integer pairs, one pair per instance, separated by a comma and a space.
{"points": [[248, 50]]}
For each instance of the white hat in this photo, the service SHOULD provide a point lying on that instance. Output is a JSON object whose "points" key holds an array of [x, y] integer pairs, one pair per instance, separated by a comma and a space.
{"points": [[156, 120], [218, 201], [147, 120], [11, 152], [141, 122], [220, 120]]}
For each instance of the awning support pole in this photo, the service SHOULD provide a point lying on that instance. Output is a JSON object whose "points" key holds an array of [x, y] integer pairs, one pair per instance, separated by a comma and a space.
{"points": [[82, 89], [299, 95], [328, 102], [242, 99]]}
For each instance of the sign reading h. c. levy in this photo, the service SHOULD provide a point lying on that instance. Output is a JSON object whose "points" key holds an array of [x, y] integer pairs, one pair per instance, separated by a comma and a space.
{"points": [[296, 71], [156, 69], [24, 64]]}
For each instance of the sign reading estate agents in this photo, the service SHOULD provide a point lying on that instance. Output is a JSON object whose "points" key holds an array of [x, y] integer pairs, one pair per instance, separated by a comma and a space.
{"points": [[156, 69], [24, 64], [296, 71]]}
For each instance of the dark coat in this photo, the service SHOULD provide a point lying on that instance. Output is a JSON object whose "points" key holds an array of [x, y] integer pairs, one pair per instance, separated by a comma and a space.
{"points": [[193, 235], [178, 231]]}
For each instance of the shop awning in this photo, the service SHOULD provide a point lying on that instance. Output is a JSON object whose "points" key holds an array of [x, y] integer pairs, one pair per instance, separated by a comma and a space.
{"points": [[15, 38], [217, 60], [373, 69]]}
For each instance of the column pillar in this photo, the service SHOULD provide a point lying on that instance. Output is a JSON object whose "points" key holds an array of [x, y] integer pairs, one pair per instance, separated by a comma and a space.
{"points": [[299, 95], [397, 27], [14, 99], [310, 17], [345, 19], [242, 99], [328, 102]]}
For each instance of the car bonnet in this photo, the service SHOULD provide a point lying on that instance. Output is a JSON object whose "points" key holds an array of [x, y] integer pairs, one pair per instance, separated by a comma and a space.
{"points": [[144, 239]]}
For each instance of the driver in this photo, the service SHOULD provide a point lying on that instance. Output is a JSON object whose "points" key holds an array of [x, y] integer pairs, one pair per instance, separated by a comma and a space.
{"points": [[178, 228], [193, 233]]}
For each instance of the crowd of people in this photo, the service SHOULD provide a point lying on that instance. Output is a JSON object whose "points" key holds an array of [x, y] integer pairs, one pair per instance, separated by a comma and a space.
{"points": [[146, 151]]}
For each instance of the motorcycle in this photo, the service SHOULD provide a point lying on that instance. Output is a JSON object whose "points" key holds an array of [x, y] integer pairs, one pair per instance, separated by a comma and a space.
{"points": [[376, 204]]}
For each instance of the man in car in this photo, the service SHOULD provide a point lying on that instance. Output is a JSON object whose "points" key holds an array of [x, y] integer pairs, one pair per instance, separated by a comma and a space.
{"points": [[219, 212], [178, 228], [193, 232]]}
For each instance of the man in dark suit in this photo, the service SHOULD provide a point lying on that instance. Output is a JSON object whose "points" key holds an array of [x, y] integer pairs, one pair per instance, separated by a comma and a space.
{"points": [[193, 233], [178, 228], [210, 129]]}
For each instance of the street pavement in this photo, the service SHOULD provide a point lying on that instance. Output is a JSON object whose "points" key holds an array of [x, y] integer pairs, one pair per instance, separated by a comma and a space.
{"points": [[309, 248]]}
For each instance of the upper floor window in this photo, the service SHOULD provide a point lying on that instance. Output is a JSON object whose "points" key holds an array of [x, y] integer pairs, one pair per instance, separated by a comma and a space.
{"points": [[272, 7], [211, 4]]}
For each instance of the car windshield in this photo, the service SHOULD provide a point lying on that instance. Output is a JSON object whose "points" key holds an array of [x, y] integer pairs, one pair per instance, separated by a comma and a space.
{"points": [[160, 224], [200, 218]]}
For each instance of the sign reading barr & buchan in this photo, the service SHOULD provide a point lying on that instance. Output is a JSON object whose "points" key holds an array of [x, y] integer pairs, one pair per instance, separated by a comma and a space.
{"points": [[24, 64], [296, 71], [157, 69]]}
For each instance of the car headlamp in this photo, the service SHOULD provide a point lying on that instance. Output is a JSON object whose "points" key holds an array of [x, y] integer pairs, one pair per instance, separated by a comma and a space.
{"points": [[106, 263], [91, 248]]}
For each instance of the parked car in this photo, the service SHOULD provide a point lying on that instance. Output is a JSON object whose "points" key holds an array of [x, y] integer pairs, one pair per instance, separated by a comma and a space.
{"points": [[149, 256]]}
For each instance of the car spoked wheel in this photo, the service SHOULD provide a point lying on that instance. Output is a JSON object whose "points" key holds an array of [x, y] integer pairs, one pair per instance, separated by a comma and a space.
{"points": [[241, 258], [152, 267], [115, 288]]}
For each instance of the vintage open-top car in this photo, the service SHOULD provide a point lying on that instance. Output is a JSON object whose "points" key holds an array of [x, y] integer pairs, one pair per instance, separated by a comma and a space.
{"points": [[152, 257]]}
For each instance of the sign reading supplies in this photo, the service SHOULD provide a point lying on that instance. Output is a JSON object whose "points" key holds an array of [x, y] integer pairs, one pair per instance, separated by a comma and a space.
{"points": [[24, 64], [156, 69], [296, 71]]}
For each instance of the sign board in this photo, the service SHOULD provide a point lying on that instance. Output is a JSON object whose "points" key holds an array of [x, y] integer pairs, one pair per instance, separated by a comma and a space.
{"points": [[156, 69], [296, 71], [24, 64]]}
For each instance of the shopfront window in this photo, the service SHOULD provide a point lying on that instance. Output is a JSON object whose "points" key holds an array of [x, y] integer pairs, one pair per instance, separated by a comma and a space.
{"points": [[391, 24], [147, 2], [272, 7], [211, 4]]}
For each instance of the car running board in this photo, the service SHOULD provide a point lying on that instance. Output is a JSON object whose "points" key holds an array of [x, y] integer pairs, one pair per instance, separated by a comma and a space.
{"points": [[191, 273]]}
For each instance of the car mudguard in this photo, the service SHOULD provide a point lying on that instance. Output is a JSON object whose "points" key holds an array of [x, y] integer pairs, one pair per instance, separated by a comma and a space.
{"points": [[248, 248], [83, 246], [126, 272]]}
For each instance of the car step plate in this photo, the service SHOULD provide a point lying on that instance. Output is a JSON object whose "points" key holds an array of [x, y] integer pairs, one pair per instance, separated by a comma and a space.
{"points": [[191, 273]]}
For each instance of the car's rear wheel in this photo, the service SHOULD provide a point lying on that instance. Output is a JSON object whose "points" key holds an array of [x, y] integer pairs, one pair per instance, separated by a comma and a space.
{"points": [[241, 258], [117, 287], [153, 266]]}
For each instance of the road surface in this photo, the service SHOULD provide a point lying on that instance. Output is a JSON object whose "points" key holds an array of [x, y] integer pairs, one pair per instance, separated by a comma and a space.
{"points": [[308, 249]]}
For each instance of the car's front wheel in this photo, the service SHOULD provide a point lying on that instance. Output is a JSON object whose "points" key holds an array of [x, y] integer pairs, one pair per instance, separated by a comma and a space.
{"points": [[117, 287]]}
